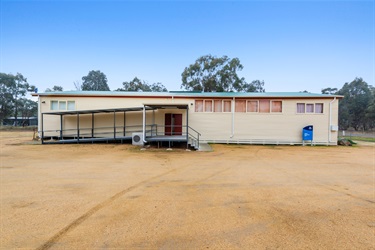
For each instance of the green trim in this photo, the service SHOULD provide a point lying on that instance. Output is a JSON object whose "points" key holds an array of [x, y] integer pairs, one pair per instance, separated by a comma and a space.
{"points": [[190, 94]]}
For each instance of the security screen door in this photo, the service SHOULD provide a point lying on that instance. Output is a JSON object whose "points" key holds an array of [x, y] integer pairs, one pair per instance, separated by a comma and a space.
{"points": [[173, 124]]}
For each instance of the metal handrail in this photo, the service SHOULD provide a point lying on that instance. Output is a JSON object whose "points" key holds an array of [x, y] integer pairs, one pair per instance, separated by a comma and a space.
{"points": [[194, 130], [153, 131]]}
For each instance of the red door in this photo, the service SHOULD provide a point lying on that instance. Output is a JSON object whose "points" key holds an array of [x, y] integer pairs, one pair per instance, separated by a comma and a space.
{"points": [[173, 124], [168, 124], [177, 124]]}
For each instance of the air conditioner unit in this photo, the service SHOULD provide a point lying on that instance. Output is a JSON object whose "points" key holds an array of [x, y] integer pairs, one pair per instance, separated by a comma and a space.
{"points": [[137, 139]]}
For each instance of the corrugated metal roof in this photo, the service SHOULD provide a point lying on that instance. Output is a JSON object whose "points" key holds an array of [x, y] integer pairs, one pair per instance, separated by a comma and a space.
{"points": [[189, 94], [93, 111]]}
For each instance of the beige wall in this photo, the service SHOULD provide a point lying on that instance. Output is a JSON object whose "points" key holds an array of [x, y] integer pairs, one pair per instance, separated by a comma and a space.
{"points": [[275, 128]]}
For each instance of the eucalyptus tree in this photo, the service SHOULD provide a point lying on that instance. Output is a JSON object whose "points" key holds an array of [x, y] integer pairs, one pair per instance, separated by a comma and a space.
{"points": [[217, 74], [95, 81]]}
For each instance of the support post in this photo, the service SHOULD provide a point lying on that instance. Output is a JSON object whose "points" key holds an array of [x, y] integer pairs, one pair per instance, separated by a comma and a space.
{"points": [[153, 121], [144, 123], [187, 126], [61, 127], [92, 125], [77, 127], [42, 130], [114, 124], [124, 123]]}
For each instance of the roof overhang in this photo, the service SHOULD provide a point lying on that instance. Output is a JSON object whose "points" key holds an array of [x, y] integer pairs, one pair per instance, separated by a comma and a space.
{"points": [[167, 106], [94, 111]]}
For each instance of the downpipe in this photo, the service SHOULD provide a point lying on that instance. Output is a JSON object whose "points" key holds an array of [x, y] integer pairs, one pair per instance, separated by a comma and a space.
{"points": [[233, 106], [144, 124], [330, 120]]}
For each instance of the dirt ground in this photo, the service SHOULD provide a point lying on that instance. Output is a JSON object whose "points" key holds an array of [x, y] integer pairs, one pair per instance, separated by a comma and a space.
{"points": [[236, 197]]}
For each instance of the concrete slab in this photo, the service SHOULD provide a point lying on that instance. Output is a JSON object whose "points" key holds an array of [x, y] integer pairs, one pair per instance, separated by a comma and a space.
{"points": [[205, 147]]}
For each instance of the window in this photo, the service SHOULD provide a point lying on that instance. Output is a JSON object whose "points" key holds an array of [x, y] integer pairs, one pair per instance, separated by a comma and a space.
{"points": [[71, 105], [208, 106], [264, 106], [309, 108], [252, 106], [276, 107], [54, 105], [319, 108], [227, 106], [240, 106], [198, 106], [218, 106], [63, 105], [300, 108]]}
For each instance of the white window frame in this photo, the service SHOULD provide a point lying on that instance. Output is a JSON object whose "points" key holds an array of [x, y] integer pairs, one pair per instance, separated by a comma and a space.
{"points": [[230, 101], [195, 105], [322, 108], [212, 106], [67, 105], [282, 109], [309, 113], [60, 102], [256, 112], [54, 101]]}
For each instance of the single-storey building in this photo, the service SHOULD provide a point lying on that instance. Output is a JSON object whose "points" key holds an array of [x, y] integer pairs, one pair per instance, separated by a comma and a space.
{"points": [[20, 121], [191, 117]]}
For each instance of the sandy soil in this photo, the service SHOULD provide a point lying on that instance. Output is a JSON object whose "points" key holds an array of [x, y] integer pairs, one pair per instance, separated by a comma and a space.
{"points": [[236, 197]]}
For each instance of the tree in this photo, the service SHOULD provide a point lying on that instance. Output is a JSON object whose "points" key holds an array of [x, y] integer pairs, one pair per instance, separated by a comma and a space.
{"points": [[78, 85], [254, 86], [12, 87], [370, 111], [7, 82], [352, 108], [95, 81], [213, 74], [158, 87], [27, 108], [54, 89], [329, 91], [138, 85]]}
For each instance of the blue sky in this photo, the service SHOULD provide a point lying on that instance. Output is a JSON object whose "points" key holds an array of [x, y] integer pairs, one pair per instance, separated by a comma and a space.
{"points": [[291, 45]]}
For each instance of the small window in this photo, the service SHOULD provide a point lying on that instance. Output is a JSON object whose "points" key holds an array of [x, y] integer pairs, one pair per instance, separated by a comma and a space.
{"points": [[309, 108], [62, 105], [240, 106], [208, 106], [300, 108], [277, 106], [264, 106], [54, 105], [71, 105], [319, 108], [252, 106], [227, 106], [218, 106], [198, 106]]}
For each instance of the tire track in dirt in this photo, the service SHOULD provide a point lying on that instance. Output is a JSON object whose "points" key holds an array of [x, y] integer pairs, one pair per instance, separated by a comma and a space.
{"points": [[213, 174], [325, 211], [325, 186], [50, 242]]}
